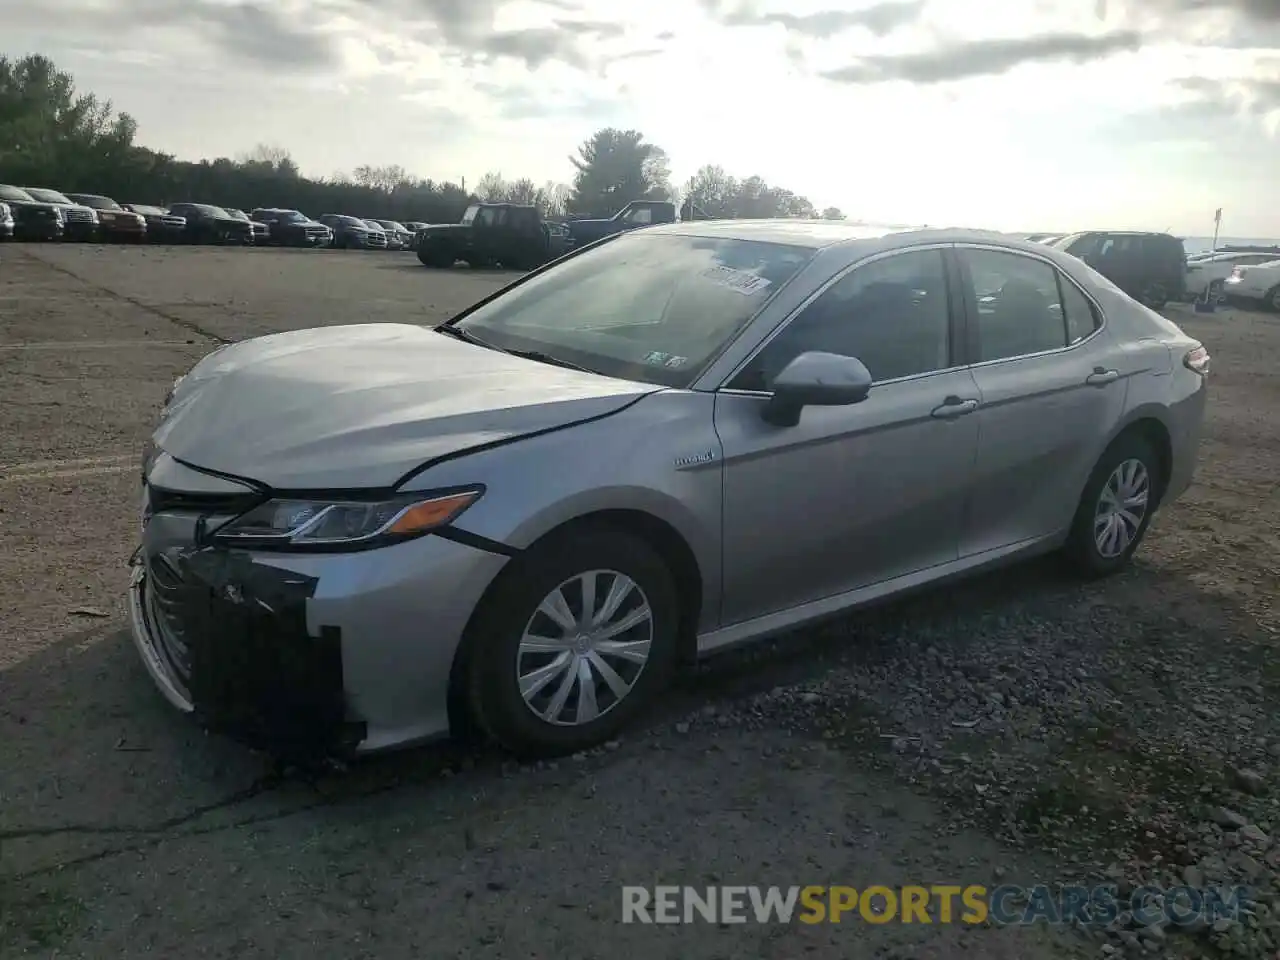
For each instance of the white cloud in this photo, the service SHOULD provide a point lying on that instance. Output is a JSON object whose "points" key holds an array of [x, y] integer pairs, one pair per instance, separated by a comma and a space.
{"points": [[1038, 113]]}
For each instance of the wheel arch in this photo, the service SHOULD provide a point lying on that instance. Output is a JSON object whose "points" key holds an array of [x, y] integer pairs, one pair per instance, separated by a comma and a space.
{"points": [[661, 535], [1146, 422]]}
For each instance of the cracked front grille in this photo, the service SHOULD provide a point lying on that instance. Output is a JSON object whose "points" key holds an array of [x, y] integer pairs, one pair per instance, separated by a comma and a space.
{"points": [[164, 608]]}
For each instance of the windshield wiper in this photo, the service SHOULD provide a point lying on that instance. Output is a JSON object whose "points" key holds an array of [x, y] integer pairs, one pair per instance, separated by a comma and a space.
{"points": [[541, 357], [466, 336]]}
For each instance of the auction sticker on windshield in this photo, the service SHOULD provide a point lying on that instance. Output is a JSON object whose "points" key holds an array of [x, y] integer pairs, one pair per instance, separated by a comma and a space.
{"points": [[739, 280], [659, 359]]}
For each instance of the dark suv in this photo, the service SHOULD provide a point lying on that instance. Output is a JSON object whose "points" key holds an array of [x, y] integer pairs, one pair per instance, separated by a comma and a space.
{"points": [[290, 228], [1150, 267]]}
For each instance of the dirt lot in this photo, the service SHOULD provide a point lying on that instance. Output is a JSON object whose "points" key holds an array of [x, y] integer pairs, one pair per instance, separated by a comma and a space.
{"points": [[1016, 729]]}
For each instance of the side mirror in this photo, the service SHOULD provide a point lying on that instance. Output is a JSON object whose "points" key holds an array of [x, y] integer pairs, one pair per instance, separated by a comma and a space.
{"points": [[816, 380]]}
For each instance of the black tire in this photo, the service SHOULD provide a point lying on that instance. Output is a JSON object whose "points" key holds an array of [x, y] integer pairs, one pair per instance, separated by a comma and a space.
{"points": [[493, 691], [1154, 296], [435, 256], [1082, 550]]}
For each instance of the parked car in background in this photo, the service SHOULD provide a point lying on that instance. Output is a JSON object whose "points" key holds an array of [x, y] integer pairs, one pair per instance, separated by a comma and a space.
{"points": [[260, 231], [32, 219], [413, 226], [1207, 274], [291, 228], [162, 226], [676, 441], [1150, 267], [79, 222], [558, 240], [114, 221], [206, 223], [353, 233], [509, 234], [377, 230], [399, 236], [6, 222], [1259, 283], [637, 213]]}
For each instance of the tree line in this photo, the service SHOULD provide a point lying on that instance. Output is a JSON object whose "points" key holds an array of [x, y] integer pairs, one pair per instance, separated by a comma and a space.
{"points": [[51, 135]]}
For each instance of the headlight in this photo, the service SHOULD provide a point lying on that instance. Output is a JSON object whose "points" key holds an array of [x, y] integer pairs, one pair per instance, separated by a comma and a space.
{"points": [[350, 524]]}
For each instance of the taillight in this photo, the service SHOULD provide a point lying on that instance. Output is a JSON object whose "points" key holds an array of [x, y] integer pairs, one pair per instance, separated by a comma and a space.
{"points": [[1197, 361]]}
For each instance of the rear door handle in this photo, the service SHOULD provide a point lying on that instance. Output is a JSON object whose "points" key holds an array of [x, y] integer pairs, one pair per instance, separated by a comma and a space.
{"points": [[954, 407], [1101, 377]]}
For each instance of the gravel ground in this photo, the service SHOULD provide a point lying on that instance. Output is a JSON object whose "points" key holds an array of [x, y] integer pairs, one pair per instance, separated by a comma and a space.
{"points": [[1017, 728]]}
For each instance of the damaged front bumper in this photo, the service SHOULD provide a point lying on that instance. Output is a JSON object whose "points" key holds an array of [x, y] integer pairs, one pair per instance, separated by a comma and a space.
{"points": [[305, 655], [226, 640]]}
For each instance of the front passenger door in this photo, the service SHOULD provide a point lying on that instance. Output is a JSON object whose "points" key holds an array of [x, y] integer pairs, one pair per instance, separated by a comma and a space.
{"points": [[853, 495]]}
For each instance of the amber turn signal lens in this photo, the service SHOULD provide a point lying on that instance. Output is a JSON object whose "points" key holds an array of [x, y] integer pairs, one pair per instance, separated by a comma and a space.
{"points": [[432, 513]]}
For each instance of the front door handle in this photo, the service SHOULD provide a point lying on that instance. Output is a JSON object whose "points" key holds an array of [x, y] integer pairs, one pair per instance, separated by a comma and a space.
{"points": [[954, 407], [1101, 377]]}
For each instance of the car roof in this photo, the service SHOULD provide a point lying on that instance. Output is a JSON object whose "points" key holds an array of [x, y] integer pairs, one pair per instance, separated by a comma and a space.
{"points": [[827, 233]]}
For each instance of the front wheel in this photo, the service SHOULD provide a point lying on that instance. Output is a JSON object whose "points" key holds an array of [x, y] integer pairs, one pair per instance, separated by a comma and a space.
{"points": [[573, 643], [1116, 507], [430, 255]]}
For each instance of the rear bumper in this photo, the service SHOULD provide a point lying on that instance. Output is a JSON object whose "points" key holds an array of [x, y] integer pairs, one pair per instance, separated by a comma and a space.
{"points": [[1188, 422]]}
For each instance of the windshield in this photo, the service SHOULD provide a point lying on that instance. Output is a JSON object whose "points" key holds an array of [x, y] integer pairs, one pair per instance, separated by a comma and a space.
{"points": [[373, 225], [651, 308], [292, 216], [211, 211], [148, 210], [13, 193], [237, 214], [47, 196], [98, 203], [470, 215]]}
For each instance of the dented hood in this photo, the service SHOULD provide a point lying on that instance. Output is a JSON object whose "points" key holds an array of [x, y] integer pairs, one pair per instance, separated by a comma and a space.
{"points": [[360, 406]]}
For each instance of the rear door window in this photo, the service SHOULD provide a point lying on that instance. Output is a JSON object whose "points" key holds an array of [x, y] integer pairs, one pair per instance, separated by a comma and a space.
{"points": [[1079, 313], [1019, 304]]}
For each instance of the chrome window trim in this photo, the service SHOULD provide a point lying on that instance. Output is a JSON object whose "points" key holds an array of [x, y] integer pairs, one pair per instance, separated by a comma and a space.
{"points": [[1063, 275], [823, 288]]}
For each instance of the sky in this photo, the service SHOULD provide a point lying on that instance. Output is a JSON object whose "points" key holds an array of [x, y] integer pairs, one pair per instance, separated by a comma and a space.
{"points": [[1005, 114]]}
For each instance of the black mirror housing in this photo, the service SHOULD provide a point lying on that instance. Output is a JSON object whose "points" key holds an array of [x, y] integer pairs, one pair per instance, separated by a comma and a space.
{"points": [[816, 379]]}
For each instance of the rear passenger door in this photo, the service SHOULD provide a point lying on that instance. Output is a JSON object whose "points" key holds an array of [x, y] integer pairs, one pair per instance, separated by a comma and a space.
{"points": [[1052, 384]]}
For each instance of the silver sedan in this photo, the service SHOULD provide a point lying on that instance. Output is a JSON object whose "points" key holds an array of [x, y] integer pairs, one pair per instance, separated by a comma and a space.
{"points": [[667, 443]]}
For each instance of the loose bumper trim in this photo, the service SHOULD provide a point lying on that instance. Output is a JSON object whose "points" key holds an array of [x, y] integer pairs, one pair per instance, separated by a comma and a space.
{"points": [[255, 672]]}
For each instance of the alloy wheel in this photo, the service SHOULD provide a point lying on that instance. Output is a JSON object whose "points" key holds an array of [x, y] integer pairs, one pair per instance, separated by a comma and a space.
{"points": [[1122, 506], [584, 647]]}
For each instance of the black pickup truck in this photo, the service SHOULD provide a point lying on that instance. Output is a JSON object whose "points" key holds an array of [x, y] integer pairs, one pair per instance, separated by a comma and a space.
{"points": [[637, 213], [489, 234]]}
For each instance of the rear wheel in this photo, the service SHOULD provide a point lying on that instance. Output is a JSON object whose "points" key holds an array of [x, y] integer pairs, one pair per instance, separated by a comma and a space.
{"points": [[1154, 296], [1273, 298], [1116, 507], [574, 642]]}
